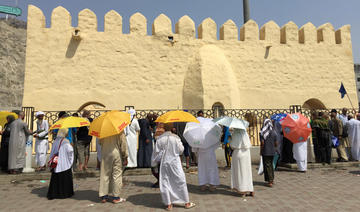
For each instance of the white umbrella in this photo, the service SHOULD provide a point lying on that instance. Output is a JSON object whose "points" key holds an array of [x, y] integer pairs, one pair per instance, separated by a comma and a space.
{"points": [[232, 122], [203, 135]]}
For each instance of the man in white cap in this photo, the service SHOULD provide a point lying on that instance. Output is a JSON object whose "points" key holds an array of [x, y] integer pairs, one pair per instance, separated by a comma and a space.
{"points": [[42, 143], [132, 138]]}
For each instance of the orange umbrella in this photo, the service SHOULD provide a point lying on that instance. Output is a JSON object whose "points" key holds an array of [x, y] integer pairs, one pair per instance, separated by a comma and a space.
{"points": [[296, 127]]}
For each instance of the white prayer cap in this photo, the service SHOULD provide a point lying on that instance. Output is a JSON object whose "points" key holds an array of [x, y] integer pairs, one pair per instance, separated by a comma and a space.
{"points": [[39, 113], [132, 112]]}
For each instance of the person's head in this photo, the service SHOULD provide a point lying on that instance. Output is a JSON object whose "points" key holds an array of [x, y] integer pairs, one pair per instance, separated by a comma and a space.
{"points": [[40, 115], [75, 115], [358, 116], [21, 115], [62, 133], [160, 125], [168, 126], [62, 114], [321, 114], [154, 117], [314, 115], [149, 116], [10, 118], [132, 112], [333, 113], [325, 116], [344, 111], [86, 114], [200, 113]]}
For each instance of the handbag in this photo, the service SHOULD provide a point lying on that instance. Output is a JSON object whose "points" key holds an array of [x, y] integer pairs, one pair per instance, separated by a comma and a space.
{"points": [[334, 141], [55, 158]]}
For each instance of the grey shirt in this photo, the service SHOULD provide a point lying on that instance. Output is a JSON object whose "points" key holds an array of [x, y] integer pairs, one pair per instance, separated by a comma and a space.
{"points": [[269, 148]]}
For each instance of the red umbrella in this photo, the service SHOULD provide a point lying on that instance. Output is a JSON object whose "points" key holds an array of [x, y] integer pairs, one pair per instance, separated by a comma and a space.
{"points": [[296, 127]]}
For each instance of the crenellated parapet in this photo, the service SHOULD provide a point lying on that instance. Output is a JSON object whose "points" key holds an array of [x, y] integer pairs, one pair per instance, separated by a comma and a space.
{"points": [[270, 32]]}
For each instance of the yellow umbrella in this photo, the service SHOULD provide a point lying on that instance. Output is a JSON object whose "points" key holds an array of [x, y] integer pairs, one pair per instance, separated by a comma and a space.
{"points": [[176, 116], [3, 115], [109, 124], [70, 122]]}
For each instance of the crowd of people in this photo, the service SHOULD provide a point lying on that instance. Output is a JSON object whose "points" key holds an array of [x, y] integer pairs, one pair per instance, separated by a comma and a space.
{"points": [[163, 148]]}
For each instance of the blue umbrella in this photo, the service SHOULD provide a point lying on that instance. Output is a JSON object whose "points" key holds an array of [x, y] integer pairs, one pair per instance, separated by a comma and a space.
{"points": [[278, 117]]}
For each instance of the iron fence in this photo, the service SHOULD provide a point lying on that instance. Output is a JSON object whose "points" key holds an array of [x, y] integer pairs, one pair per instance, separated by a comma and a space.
{"points": [[255, 117]]}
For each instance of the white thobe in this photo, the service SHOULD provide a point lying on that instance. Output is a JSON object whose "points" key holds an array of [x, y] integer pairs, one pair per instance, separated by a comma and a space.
{"points": [[354, 136], [65, 156], [300, 155], [208, 172], [241, 173], [172, 180], [42, 143], [98, 149], [132, 142]]}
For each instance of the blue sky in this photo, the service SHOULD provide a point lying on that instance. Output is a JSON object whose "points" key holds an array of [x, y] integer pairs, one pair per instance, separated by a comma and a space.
{"points": [[318, 12]]}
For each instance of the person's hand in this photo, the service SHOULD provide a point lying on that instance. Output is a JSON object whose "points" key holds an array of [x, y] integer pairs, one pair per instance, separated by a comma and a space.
{"points": [[125, 162], [223, 146], [35, 135], [147, 141]]}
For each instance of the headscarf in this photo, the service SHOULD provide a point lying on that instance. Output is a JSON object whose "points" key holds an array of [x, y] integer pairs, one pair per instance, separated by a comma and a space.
{"points": [[266, 129], [132, 113]]}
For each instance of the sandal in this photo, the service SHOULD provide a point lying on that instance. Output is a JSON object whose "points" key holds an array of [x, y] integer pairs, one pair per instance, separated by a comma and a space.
{"points": [[104, 199], [120, 200], [190, 205], [169, 208]]}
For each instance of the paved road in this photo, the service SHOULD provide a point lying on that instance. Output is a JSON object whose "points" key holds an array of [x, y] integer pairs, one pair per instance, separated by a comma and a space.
{"points": [[317, 190]]}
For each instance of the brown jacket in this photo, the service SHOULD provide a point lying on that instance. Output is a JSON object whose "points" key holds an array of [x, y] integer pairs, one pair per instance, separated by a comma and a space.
{"points": [[336, 127]]}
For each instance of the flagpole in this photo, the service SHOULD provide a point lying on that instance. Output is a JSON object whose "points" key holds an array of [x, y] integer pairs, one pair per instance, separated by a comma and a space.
{"points": [[351, 103]]}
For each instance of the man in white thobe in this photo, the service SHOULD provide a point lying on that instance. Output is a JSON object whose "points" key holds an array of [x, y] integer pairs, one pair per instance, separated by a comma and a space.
{"points": [[208, 172], [17, 142], [241, 174], [354, 136], [172, 181], [132, 139], [42, 143], [300, 155]]}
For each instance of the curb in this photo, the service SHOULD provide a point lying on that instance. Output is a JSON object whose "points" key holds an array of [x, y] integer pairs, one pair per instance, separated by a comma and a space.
{"points": [[91, 172], [320, 165]]}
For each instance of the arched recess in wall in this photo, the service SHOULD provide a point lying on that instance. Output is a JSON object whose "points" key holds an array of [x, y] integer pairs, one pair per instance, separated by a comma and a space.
{"points": [[210, 79], [314, 104], [218, 109]]}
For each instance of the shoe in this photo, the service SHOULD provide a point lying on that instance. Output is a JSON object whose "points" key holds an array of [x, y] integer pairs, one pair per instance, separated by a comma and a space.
{"points": [[190, 205], [155, 185], [104, 199], [119, 200]]}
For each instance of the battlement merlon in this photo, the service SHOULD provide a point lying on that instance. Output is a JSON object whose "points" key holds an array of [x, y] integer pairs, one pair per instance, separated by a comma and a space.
{"points": [[162, 26]]}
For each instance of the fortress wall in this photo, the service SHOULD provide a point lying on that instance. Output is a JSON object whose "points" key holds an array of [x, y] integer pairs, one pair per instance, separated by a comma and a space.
{"points": [[270, 67]]}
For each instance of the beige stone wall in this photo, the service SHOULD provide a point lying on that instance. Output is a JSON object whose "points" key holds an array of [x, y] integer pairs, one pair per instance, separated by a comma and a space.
{"points": [[270, 67]]}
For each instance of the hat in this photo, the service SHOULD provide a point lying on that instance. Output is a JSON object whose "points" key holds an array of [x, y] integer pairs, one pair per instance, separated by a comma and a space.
{"points": [[39, 113], [333, 111]]}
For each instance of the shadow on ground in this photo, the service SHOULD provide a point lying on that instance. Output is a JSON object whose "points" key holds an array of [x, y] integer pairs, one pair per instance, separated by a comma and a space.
{"points": [[148, 200], [89, 195]]}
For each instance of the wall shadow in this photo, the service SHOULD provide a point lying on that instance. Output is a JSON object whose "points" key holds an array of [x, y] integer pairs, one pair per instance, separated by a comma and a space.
{"points": [[72, 47]]}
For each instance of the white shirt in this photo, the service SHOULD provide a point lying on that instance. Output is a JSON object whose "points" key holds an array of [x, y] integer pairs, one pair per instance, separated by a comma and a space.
{"points": [[66, 154]]}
